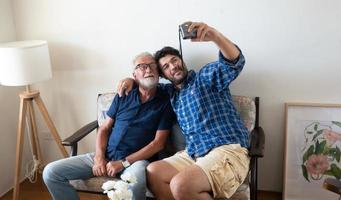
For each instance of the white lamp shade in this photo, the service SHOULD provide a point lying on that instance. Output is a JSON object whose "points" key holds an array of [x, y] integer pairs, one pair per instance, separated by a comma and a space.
{"points": [[24, 62]]}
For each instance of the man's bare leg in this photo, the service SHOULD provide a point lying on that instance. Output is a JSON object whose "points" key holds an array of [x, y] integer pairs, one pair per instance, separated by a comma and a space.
{"points": [[159, 175], [192, 183]]}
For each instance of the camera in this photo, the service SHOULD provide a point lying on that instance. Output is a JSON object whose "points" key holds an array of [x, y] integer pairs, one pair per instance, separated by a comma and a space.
{"points": [[184, 31]]}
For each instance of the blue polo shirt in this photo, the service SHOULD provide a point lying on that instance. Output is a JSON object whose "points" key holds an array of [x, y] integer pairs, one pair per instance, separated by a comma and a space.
{"points": [[136, 123]]}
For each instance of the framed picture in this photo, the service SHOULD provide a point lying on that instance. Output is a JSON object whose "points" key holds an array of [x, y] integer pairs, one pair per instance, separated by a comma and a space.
{"points": [[312, 150]]}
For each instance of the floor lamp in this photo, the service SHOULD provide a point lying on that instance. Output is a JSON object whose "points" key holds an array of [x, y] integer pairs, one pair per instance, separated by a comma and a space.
{"points": [[23, 63]]}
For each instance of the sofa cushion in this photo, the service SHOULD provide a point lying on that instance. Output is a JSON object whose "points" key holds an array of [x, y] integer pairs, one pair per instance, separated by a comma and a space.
{"points": [[247, 109], [103, 104], [92, 184]]}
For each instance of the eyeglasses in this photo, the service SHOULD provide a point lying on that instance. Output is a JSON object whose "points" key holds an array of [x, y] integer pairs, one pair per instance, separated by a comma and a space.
{"points": [[143, 66]]}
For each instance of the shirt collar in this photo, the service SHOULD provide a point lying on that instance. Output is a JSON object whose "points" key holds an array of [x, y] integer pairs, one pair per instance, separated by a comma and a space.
{"points": [[159, 93]]}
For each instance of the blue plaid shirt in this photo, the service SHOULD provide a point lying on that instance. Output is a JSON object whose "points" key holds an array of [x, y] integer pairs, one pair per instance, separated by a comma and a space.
{"points": [[205, 109]]}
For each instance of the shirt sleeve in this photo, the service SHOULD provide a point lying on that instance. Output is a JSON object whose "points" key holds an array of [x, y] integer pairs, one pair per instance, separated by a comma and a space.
{"points": [[167, 118], [221, 73], [113, 107]]}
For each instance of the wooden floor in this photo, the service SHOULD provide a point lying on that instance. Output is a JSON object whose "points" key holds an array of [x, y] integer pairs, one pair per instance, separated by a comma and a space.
{"points": [[265, 195], [38, 191]]}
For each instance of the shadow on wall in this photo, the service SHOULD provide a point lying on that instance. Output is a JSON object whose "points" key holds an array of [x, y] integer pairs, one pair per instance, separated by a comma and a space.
{"points": [[65, 56], [70, 96], [197, 60]]}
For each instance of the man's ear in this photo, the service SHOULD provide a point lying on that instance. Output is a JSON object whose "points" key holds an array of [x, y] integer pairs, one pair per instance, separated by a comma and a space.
{"points": [[134, 75]]}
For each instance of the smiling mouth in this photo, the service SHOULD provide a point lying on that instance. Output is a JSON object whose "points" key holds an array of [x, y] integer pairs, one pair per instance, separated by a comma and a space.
{"points": [[149, 76], [177, 73]]}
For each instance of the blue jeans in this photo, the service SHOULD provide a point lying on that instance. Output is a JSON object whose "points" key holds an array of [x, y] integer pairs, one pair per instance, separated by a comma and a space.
{"points": [[57, 174]]}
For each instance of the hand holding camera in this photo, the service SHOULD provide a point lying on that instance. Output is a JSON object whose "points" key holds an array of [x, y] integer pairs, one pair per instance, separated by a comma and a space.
{"points": [[186, 34], [198, 31]]}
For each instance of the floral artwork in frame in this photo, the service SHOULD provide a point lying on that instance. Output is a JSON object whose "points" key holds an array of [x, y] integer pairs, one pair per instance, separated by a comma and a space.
{"points": [[312, 150]]}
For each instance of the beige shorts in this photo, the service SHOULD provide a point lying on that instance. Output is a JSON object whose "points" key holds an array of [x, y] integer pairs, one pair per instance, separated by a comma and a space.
{"points": [[225, 167]]}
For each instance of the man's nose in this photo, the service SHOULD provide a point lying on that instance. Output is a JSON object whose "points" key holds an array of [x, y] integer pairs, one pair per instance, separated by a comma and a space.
{"points": [[172, 66], [148, 69]]}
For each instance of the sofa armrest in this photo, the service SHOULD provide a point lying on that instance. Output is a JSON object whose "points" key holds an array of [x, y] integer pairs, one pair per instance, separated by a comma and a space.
{"points": [[257, 142], [81, 133]]}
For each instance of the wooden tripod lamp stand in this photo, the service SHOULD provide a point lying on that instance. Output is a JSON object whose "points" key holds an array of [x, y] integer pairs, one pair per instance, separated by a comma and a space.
{"points": [[23, 63]]}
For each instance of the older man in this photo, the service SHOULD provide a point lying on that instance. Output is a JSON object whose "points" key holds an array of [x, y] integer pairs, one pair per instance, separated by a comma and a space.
{"points": [[135, 131]]}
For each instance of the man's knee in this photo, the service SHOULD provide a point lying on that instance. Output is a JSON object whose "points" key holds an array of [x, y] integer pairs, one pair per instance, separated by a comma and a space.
{"points": [[179, 187], [140, 165], [50, 172], [154, 169], [138, 170], [151, 168]]}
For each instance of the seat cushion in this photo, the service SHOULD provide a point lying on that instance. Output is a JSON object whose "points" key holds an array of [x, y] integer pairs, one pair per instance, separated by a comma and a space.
{"points": [[95, 185], [92, 184]]}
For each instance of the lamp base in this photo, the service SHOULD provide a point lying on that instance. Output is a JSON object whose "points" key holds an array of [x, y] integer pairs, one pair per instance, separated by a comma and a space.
{"points": [[26, 104]]}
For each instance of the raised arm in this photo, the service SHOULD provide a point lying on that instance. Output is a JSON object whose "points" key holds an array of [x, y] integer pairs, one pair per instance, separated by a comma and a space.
{"points": [[206, 33]]}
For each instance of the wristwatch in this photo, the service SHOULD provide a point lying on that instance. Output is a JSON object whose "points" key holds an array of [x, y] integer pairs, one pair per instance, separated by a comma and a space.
{"points": [[125, 163]]}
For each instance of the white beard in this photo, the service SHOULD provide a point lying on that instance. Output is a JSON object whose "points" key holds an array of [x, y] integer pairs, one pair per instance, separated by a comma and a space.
{"points": [[148, 83]]}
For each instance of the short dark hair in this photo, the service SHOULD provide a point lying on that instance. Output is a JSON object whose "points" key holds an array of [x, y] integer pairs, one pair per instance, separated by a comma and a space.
{"points": [[166, 51], [163, 52]]}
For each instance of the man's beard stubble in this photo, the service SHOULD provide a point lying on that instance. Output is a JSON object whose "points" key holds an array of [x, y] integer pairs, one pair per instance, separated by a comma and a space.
{"points": [[181, 79]]}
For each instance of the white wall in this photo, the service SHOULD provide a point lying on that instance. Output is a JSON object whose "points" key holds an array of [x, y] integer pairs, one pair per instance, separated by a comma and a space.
{"points": [[9, 109], [292, 49]]}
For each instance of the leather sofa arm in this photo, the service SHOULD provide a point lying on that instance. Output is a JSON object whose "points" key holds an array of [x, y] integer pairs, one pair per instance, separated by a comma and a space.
{"points": [[81, 133], [257, 142]]}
